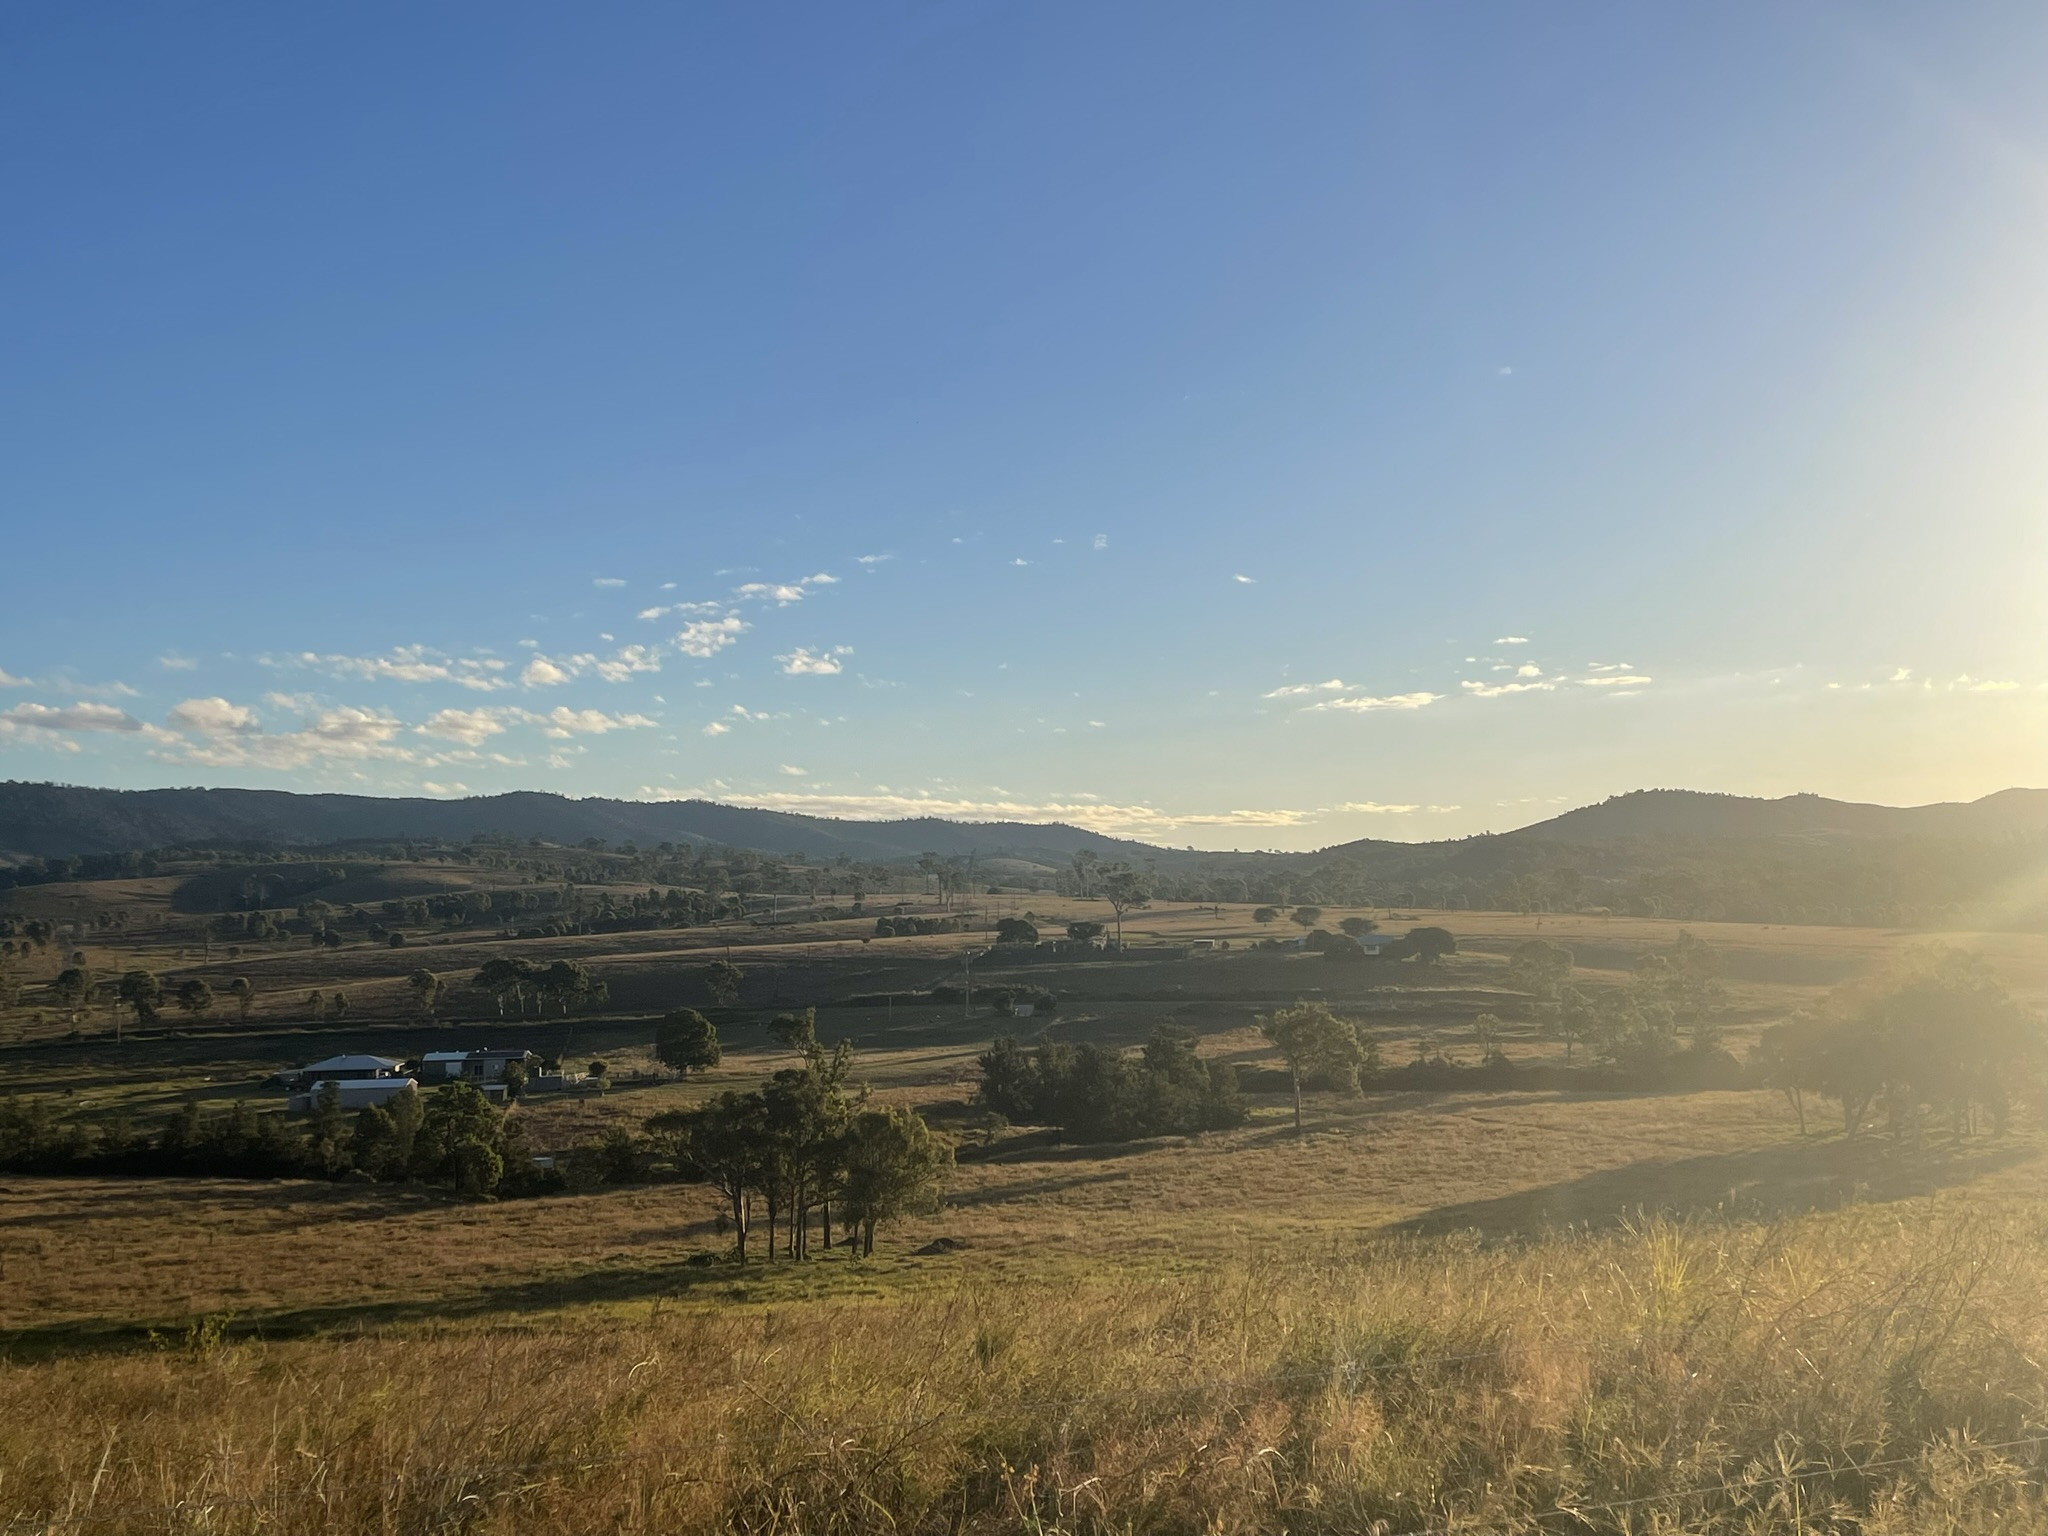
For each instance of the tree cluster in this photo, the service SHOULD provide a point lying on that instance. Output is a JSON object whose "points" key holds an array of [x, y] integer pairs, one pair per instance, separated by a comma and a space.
{"points": [[1094, 1093], [1938, 1034], [806, 1145]]}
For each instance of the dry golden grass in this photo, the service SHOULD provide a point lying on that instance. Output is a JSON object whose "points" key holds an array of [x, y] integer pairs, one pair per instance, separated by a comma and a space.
{"points": [[1451, 1311], [1698, 1377]]}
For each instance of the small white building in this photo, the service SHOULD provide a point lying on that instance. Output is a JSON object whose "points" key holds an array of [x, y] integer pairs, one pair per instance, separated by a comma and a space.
{"points": [[355, 1093]]}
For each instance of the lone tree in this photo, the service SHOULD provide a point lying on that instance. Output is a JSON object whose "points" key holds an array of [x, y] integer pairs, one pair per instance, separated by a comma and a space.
{"points": [[1308, 917], [1540, 968], [71, 987], [243, 991], [1358, 927], [141, 991], [1125, 891], [722, 980], [426, 990], [1265, 914], [686, 1041], [1316, 1044], [1016, 930], [195, 997]]}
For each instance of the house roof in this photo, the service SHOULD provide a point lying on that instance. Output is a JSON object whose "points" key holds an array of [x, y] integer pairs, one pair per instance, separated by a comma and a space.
{"points": [[446, 1056], [354, 1063]]}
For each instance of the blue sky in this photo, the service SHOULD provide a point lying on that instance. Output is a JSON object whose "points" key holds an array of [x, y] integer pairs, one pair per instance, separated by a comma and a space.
{"points": [[1234, 426]]}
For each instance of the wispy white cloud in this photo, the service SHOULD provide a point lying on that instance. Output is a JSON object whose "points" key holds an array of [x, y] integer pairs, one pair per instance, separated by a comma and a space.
{"points": [[707, 637], [1497, 690], [1100, 541], [1244, 580], [404, 664], [1374, 808], [1511, 640], [871, 559], [607, 581], [552, 671], [170, 662], [803, 662], [795, 772], [345, 733], [53, 725], [1617, 680], [9, 680], [716, 728], [1366, 703], [471, 727], [1293, 690], [213, 717], [782, 593]]}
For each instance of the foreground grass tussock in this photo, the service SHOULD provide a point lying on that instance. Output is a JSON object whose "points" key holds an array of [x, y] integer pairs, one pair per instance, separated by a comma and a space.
{"points": [[1853, 1370]]}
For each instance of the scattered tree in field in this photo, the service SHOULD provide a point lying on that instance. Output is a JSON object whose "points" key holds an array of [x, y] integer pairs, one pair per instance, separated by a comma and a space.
{"points": [[568, 983], [502, 977], [1266, 915], [1308, 917], [339, 1006], [1016, 930], [1540, 968], [71, 987], [1487, 1034], [243, 991], [1125, 890], [195, 997], [722, 979], [893, 1167], [426, 990], [142, 991], [1358, 927], [686, 1041], [1430, 945], [727, 1142], [796, 1031], [1316, 1043]]}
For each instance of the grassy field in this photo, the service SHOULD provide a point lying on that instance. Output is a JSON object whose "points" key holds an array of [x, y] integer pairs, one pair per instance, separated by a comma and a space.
{"points": [[1460, 1310]]}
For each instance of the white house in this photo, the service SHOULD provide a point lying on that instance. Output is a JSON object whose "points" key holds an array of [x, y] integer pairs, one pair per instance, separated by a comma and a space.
{"points": [[485, 1066]]}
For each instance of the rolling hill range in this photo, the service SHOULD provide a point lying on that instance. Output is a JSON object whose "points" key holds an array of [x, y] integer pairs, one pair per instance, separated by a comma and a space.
{"points": [[60, 821]]}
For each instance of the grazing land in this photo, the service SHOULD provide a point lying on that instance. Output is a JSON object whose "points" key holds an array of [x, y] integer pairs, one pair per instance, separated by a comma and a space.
{"points": [[1522, 1301]]}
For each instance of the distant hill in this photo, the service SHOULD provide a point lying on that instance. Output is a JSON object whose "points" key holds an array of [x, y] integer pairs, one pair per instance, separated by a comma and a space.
{"points": [[1689, 814], [59, 821]]}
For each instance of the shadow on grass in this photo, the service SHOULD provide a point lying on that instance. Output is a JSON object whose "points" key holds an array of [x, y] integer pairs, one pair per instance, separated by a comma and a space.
{"points": [[520, 1303], [1781, 1180]]}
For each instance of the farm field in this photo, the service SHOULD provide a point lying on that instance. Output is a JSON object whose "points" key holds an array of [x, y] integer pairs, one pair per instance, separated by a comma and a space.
{"points": [[1086, 1336]]}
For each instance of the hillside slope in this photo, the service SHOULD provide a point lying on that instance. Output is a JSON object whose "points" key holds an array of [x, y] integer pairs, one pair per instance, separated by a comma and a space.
{"points": [[58, 821]]}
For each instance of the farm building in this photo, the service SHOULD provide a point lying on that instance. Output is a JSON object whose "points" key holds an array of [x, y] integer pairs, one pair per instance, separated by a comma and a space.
{"points": [[355, 1093]]}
